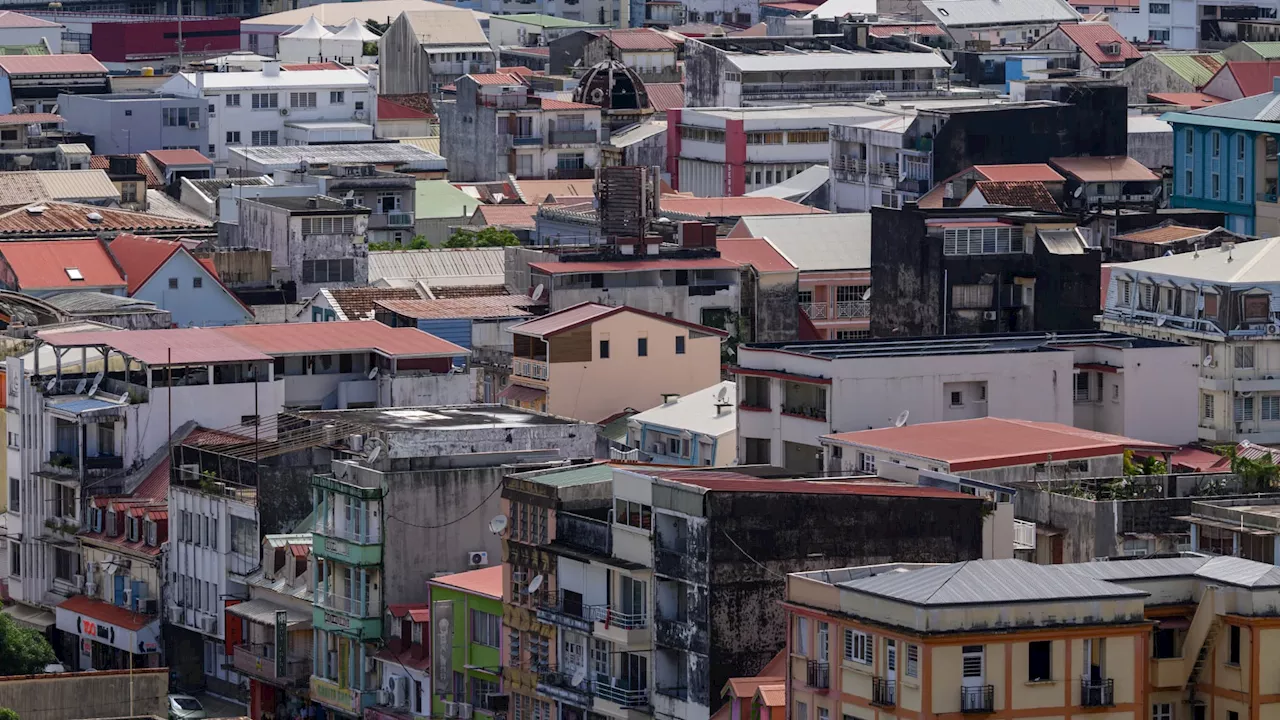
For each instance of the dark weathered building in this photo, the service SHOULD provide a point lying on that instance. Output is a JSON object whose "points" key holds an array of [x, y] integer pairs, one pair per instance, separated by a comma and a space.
{"points": [[964, 271]]}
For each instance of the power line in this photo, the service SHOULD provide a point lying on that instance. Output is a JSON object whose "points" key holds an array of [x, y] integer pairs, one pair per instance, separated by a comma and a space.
{"points": [[469, 513], [748, 556]]}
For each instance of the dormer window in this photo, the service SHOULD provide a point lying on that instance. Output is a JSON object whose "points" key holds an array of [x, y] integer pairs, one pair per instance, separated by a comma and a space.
{"points": [[1257, 306], [151, 534], [1110, 48], [417, 632], [111, 523], [133, 529]]}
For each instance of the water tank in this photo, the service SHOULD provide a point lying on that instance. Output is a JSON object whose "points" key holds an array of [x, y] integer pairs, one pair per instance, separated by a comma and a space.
{"points": [[148, 71]]}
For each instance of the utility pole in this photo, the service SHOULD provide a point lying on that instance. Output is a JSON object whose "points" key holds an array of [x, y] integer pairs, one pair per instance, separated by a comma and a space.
{"points": [[181, 43]]}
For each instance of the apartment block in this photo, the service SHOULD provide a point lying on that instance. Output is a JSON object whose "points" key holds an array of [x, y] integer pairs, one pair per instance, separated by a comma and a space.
{"points": [[1183, 637]]}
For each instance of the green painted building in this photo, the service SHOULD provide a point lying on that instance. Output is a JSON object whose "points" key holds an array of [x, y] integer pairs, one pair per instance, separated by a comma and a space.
{"points": [[474, 602]]}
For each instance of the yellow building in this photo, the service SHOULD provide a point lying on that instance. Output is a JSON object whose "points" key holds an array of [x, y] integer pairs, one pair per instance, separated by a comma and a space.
{"points": [[1188, 638]]}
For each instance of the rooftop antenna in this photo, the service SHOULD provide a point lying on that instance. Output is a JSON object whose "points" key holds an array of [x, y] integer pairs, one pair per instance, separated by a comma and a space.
{"points": [[902, 418], [498, 524]]}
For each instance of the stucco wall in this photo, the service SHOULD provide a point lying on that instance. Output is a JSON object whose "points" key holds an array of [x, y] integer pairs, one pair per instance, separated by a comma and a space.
{"points": [[209, 305], [118, 693]]}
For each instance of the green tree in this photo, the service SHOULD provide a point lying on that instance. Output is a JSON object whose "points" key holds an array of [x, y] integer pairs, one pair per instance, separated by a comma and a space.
{"points": [[22, 651], [1256, 476], [486, 237], [7, 714]]}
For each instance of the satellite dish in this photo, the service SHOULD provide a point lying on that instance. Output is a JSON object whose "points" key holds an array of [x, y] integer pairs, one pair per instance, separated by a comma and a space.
{"points": [[81, 385], [724, 393], [498, 524], [1168, 253], [97, 380], [537, 292], [579, 675], [373, 373], [1079, 191], [1208, 360], [902, 418], [534, 584], [867, 295], [49, 385], [375, 449], [1160, 321]]}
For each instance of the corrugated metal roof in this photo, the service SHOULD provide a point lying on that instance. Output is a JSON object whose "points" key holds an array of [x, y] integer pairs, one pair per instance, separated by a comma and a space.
{"points": [[986, 582], [90, 302], [697, 412], [563, 320], [825, 60], [1112, 168], [264, 611], [9, 19], [552, 268], [839, 241], [756, 252], [639, 39], [734, 207], [81, 404], [1229, 570], [1195, 68], [979, 13], [440, 199], [64, 217], [1253, 262], [319, 338], [179, 346], [474, 308], [185, 156], [48, 264], [67, 185], [336, 14], [281, 157], [50, 64], [1092, 37], [1063, 242], [1265, 50], [430, 144], [571, 476], [664, 96], [446, 26], [478, 266]]}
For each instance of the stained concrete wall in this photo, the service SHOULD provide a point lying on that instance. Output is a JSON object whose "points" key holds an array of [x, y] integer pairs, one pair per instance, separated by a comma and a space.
{"points": [[112, 694]]}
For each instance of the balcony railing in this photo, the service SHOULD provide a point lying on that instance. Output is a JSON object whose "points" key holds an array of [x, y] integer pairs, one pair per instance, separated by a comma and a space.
{"points": [[916, 186], [525, 140], [259, 660], [620, 692], [845, 165], [341, 603], [851, 309], [815, 310], [329, 528], [819, 675], [1097, 693], [523, 367], [857, 87], [574, 137], [589, 534], [884, 692], [583, 173], [979, 699], [1024, 534], [558, 682], [813, 412]]}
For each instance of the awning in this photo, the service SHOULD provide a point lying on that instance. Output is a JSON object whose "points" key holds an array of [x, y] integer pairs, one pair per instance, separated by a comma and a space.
{"points": [[31, 617], [520, 393], [264, 611]]}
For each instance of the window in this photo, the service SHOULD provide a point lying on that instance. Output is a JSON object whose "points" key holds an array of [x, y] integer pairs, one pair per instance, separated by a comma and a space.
{"points": [[173, 283], [679, 344], [971, 661], [1215, 185], [359, 103], [802, 635], [1039, 661], [801, 711], [633, 514], [1244, 356], [971, 296], [913, 660], [15, 558], [1207, 402], [486, 629], [604, 349], [337, 97], [1239, 147], [1243, 409], [233, 100], [642, 347], [857, 647], [1188, 182], [302, 100], [322, 271], [957, 398], [265, 101], [1270, 407], [328, 225], [1162, 711], [867, 463], [1233, 649], [983, 241], [233, 137], [197, 282], [64, 564], [15, 496], [1158, 8], [1239, 188], [179, 117], [1217, 143], [824, 642], [1082, 387], [264, 137]]}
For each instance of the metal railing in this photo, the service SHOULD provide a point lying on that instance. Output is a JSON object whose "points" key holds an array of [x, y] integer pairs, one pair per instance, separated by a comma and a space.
{"points": [[815, 310], [535, 369], [884, 692], [260, 660], [818, 675], [1097, 693], [574, 137], [1024, 534], [329, 528], [620, 692], [813, 412], [831, 88], [847, 309], [979, 699], [522, 140], [341, 603], [583, 173]]}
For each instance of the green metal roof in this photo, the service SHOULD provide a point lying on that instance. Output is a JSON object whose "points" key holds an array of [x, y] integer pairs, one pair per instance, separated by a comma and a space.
{"points": [[23, 50], [575, 475], [1195, 68], [1265, 50], [439, 199], [545, 21]]}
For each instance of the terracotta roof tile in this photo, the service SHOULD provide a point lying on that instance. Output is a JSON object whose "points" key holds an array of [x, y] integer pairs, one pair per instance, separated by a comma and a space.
{"points": [[65, 217], [30, 118], [357, 303], [142, 167], [496, 79], [512, 216], [554, 104], [1093, 39], [1032, 195], [1162, 234], [443, 292]]}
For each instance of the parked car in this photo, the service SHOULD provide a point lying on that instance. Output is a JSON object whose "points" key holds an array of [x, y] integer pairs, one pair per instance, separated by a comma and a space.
{"points": [[185, 707]]}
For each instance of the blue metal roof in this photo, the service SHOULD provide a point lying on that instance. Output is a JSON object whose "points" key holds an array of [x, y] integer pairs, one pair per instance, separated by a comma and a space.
{"points": [[82, 404]]}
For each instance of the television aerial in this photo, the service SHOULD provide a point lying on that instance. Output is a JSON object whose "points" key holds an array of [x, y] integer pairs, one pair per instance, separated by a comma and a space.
{"points": [[498, 524]]}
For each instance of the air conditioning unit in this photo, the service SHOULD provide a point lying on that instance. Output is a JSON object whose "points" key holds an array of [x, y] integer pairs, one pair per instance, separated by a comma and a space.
{"points": [[193, 125], [79, 583], [401, 691], [359, 114], [209, 624], [284, 111], [478, 558], [988, 314], [457, 710]]}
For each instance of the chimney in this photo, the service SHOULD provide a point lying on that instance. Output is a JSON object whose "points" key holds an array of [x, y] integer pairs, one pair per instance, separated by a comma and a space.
{"points": [[668, 398], [271, 69]]}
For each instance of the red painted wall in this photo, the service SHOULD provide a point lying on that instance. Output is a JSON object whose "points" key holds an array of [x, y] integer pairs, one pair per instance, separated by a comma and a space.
{"points": [[735, 158], [120, 42], [673, 146]]}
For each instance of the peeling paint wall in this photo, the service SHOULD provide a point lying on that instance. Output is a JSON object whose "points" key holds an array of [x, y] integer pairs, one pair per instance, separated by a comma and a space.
{"points": [[704, 68]]}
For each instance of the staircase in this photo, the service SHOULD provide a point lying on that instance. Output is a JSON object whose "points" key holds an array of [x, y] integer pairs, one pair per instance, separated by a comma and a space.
{"points": [[1197, 649]]}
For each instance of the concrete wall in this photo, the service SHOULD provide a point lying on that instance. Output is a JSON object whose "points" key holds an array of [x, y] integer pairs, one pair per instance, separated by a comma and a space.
{"points": [[1150, 75], [469, 137], [210, 305], [110, 694], [1087, 525], [133, 124]]}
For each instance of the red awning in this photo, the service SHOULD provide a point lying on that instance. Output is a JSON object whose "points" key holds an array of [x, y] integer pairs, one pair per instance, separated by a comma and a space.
{"points": [[520, 393]]}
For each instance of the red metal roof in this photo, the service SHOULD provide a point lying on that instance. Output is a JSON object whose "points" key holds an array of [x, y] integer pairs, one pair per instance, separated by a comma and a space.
{"points": [[1194, 101], [303, 67], [588, 312], [1025, 172], [177, 346], [390, 110], [639, 40], [1162, 234], [521, 393], [729, 481], [106, 612], [43, 264], [664, 96], [340, 337], [516, 216], [1114, 168], [1254, 77], [554, 104], [50, 64], [186, 156], [756, 252], [140, 257], [1093, 37], [552, 268], [156, 484], [9, 19], [485, 581], [993, 442], [921, 29], [141, 167], [496, 79], [30, 118], [727, 207]]}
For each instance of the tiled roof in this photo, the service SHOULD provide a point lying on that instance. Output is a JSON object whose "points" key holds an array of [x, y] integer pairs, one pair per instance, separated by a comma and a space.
{"points": [[442, 292], [992, 442], [357, 303], [664, 96], [484, 306], [496, 79], [756, 252], [1032, 195], [1162, 234], [554, 104], [733, 207], [389, 109], [9, 19], [1114, 168], [485, 581], [30, 118], [513, 216], [1253, 78], [1092, 38], [179, 157], [1019, 172], [587, 312], [144, 168], [921, 29], [44, 264], [639, 40], [1194, 67], [106, 612], [65, 217], [1190, 100], [50, 64], [155, 485]]}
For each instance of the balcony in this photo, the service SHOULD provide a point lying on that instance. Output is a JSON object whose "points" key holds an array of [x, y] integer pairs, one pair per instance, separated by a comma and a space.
{"points": [[259, 661], [491, 358], [805, 410], [623, 693], [525, 140], [567, 610], [852, 309], [818, 675], [679, 564], [1024, 535], [341, 603], [681, 634], [884, 692], [526, 368], [847, 168], [344, 545], [64, 464], [584, 533], [557, 683], [395, 219], [978, 699], [815, 310], [348, 700], [574, 137], [1097, 693], [915, 186], [801, 91], [582, 173]]}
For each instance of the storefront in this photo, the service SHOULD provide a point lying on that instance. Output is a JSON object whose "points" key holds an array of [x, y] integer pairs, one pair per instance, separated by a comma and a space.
{"points": [[109, 637]]}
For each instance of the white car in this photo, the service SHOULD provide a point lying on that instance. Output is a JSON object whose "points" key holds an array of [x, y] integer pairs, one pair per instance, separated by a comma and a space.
{"points": [[185, 707]]}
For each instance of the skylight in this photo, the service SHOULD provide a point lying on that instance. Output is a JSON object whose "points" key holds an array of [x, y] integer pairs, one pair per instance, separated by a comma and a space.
{"points": [[74, 273]]}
